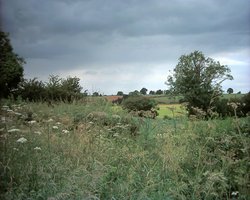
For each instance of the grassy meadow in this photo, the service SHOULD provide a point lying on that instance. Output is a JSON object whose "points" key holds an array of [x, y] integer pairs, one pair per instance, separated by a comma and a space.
{"points": [[171, 111], [92, 150]]}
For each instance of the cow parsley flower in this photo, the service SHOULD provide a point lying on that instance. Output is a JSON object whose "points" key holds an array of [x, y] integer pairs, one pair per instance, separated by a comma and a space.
{"points": [[55, 127], [235, 193], [14, 130], [37, 148], [22, 140], [5, 108], [50, 120], [65, 131], [38, 132], [31, 122], [18, 114]]}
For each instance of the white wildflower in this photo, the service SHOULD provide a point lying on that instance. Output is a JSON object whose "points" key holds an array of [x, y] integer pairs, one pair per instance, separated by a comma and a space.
{"points": [[54, 127], [65, 131], [116, 135], [22, 140], [37, 148], [38, 132], [1, 129], [10, 111], [31, 122], [5, 108], [235, 193], [18, 114], [50, 120], [91, 122], [14, 130], [15, 149], [58, 123]]}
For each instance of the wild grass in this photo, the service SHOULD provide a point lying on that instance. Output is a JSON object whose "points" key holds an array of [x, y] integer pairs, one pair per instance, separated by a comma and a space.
{"points": [[171, 111], [60, 152]]}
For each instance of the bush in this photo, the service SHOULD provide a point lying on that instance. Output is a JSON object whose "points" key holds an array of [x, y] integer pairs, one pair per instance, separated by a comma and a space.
{"points": [[230, 107], [246, 102], [138, 103]]}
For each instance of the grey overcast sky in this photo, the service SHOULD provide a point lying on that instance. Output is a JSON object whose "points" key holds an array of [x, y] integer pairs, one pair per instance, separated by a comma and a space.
{"points": [[124, 45]]}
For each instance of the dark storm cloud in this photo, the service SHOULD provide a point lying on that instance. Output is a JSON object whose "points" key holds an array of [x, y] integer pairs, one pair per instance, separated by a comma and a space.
{"points": [[92, 34]]}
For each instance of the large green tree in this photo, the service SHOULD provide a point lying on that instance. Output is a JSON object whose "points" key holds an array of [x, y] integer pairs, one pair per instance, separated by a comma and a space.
{"points": [[11, 69], [199, 80]]}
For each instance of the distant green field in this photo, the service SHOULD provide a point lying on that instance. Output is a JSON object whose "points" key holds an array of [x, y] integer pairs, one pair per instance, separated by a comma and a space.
{"points": [[171, 110], [166, 99], [170, 107], [232, 96]]}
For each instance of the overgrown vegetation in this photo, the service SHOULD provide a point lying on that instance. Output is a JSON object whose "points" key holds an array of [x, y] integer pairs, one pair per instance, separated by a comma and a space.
{"points": [[91, 151]]}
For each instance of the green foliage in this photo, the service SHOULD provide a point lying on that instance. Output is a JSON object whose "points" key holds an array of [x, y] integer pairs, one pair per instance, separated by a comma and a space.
{"points": [[138, 103], [119, 93], [151, 92], [134, 93], [96, 94], [11, 68], [55, 157], [56, 89], [230, 91], [159, 92], [63, 89], [199, 80], [246, 102], [144, 91], [32, 90], [239, 107]]}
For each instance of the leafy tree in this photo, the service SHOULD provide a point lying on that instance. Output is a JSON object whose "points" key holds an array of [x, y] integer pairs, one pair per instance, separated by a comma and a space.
{"points": [[119, 93], [144, 91], [53, 87], [63, 89], [230, 91], [159, 92], [32, 90], [166, 92], [71, 88], [151, 92], [11, 68], [134, 93], [95, 94], [199, 80]]}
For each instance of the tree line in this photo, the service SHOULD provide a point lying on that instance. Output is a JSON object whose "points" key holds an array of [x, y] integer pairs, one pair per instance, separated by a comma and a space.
{"points": [[196, 77]]}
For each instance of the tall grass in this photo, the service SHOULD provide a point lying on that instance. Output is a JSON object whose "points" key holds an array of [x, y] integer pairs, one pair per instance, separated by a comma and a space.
{"points": [[68, 155]]}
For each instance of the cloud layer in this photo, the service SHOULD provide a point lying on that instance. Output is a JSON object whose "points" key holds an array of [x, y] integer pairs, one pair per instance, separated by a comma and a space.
{"points": [[131, 43]]}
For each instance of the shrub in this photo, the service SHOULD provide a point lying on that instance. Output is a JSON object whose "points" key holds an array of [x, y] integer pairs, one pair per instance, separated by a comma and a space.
{"points": [[138, 103], [246, 102], [240, 107]]}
